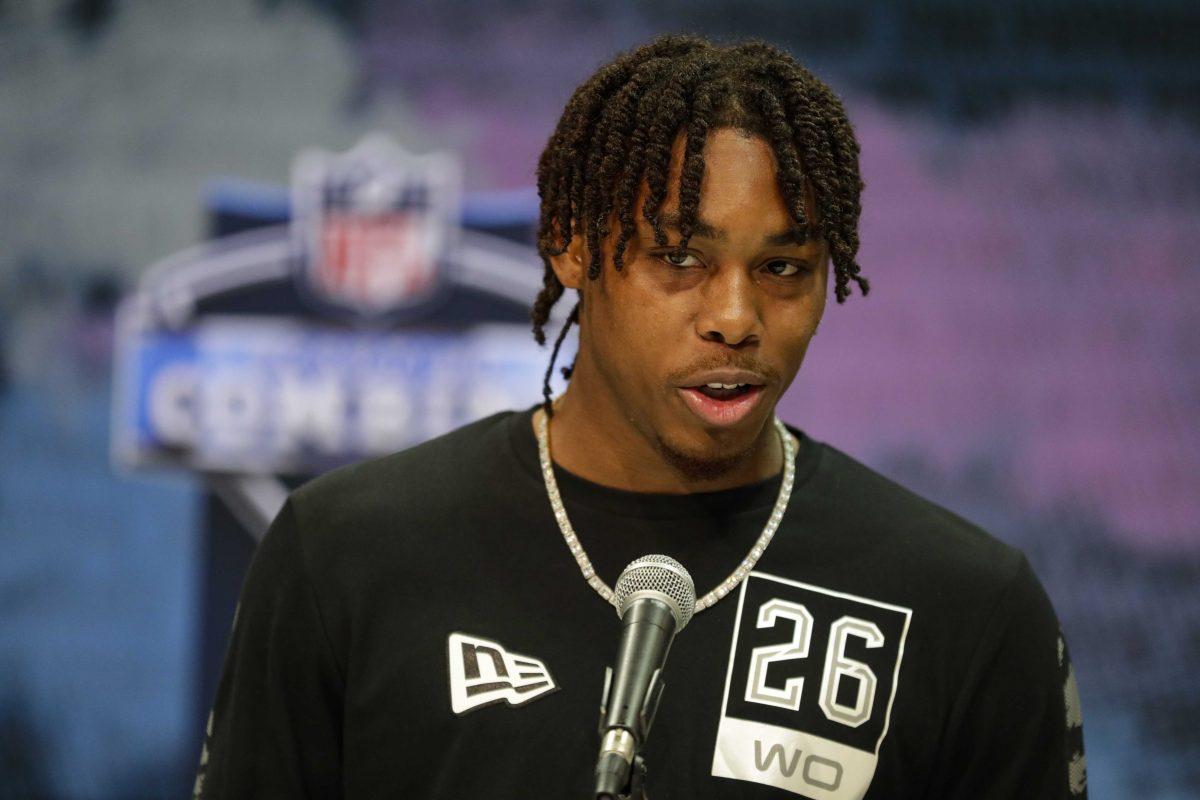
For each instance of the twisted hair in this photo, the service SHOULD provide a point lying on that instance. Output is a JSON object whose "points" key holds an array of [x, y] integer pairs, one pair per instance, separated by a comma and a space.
{"points": [[618, 128]]}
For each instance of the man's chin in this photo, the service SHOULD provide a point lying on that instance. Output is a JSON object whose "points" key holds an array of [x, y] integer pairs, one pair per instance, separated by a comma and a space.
{"points": [[701, 466]]}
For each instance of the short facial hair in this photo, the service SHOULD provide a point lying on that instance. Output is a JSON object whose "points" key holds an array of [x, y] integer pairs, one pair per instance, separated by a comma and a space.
{"points": [[701, 469]]}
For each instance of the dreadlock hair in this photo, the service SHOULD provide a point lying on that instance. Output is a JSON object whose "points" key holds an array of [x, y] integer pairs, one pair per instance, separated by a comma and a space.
{"points": [[618, 129]]}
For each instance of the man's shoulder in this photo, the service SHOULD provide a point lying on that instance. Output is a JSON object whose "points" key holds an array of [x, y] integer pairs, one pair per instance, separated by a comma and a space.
{"points": [[425, 475], [879, 511]]}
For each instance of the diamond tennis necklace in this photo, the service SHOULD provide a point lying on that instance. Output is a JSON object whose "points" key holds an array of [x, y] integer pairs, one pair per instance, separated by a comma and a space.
{"points": [[726, 586]]}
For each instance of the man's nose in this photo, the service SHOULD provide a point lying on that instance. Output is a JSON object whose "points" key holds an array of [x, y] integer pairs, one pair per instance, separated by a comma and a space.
{"points": [[729, 311]]}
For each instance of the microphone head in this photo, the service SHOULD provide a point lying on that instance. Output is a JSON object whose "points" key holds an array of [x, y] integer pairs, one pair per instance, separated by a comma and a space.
{"points": [[661, 578]]}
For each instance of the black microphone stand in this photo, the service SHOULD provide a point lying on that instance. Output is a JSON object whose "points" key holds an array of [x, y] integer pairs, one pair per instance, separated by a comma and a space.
{"points": [[635, 785], [637, 780], [635, 789]]}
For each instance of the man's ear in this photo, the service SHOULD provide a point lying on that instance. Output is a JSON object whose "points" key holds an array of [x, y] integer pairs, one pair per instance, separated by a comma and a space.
{"points": [[571, 266]]}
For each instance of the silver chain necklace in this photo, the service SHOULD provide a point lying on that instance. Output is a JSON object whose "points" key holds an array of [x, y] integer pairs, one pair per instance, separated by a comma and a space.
{"points": [[726, 586]]}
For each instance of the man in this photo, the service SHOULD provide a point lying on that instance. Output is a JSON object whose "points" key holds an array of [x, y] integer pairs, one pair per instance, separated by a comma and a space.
{"points": [[436, 623]]}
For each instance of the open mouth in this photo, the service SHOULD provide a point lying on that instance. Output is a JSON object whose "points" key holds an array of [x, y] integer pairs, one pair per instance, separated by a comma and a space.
{"points": [[723, 391], [722, 405]]}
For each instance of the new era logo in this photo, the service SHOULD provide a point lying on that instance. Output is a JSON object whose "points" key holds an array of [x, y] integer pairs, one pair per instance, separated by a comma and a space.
{"points": [[482, 672]]}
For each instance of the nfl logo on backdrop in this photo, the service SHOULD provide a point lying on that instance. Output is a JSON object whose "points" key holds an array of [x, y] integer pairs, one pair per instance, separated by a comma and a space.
{"points": [[374, 227]]}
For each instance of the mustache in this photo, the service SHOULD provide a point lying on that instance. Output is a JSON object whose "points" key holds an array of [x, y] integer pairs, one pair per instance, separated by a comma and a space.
{"points": [[746, 362]]}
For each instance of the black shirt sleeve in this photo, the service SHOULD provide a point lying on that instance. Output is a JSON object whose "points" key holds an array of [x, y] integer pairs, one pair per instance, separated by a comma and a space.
{"points": [[275, 726], [1015, 729]]}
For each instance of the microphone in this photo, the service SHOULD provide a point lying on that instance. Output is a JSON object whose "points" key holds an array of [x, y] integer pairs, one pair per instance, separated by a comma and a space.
{"points": [[655, 599]]}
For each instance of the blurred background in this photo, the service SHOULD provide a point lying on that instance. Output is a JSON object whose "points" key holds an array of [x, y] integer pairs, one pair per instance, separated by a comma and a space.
{"points": [[1029, 355]]}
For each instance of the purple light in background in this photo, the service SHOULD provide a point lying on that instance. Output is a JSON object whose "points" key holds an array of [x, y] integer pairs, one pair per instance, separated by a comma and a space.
{"points": [[1031, 296]]}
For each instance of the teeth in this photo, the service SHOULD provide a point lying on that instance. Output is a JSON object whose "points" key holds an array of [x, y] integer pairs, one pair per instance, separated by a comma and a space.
{"points": [[724, 385]]}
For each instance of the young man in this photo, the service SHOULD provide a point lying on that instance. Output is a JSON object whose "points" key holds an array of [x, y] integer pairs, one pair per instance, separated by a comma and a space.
{"points": [[436, 623]]}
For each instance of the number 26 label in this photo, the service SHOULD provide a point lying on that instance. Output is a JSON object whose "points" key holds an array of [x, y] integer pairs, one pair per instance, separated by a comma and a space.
{"points": [[779, 613]]}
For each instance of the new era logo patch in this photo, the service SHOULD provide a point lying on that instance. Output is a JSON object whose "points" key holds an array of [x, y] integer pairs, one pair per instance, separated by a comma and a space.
{"points": [[482, 672]]}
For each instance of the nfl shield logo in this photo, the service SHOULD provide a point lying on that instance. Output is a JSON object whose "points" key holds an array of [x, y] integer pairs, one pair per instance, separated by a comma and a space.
{"points": [[373, 226]]}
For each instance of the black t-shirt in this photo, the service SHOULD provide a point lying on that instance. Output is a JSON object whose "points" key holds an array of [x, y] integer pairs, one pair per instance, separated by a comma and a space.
{"points": [[414, 625]]}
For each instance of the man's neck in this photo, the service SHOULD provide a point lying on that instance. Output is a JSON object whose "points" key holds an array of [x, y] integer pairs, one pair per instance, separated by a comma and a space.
{"points": [[594, 443]]}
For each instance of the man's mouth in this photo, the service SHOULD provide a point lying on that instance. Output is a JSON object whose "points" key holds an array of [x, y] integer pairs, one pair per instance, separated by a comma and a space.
{"points": [[722, 391], [721, 404]]}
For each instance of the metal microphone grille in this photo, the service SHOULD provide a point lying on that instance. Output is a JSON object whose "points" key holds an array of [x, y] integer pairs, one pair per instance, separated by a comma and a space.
{"points": [[661, 577]]}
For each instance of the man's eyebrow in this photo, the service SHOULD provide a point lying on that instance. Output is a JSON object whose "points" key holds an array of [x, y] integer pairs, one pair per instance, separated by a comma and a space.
{"points": [[702, 229]]}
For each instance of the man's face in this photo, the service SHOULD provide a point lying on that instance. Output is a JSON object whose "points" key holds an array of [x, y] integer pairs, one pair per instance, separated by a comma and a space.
{"points": [[745, 298]]}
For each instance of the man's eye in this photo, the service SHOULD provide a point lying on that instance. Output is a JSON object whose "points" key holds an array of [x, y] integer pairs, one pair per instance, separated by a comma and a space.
{"points": [[784, 269], [676, 259]]}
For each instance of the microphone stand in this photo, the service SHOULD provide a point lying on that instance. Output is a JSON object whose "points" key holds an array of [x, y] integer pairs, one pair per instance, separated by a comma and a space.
{"points": [[637, 780], [635, 788], [635, 785]]}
